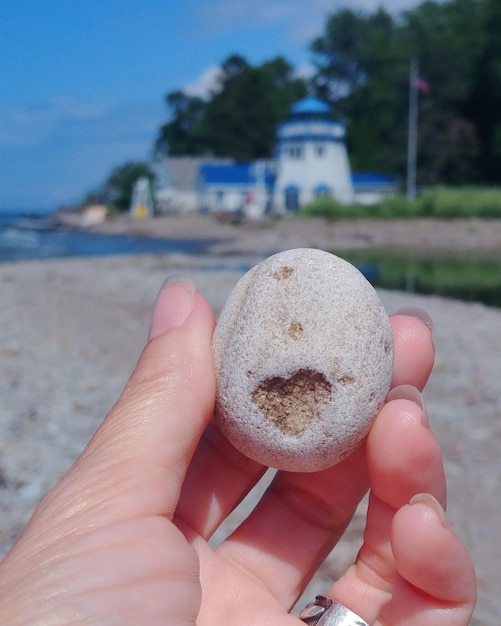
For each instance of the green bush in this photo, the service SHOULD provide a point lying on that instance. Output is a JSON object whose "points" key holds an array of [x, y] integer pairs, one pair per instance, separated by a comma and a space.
{"points": [[440, 203], [324, 206], [460, 203], [395, 206]]}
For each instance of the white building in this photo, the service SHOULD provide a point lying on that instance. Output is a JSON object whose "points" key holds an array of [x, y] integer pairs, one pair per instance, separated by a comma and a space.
{"points": [[311, 158], [178, 178], [246, 188]]}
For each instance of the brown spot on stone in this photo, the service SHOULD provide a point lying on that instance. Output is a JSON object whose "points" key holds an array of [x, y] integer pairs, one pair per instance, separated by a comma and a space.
{"points": [[387, 348], [283, 272], [295, 330], [346, 380], [292, 403]]}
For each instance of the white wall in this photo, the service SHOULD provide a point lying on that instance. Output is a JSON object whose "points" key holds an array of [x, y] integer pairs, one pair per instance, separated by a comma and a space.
{"points": [[311, 169], [227, 199]]}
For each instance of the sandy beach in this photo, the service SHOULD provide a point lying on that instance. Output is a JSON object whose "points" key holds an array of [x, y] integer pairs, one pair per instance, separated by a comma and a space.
{"points": [[264, 237], [72, 329]]}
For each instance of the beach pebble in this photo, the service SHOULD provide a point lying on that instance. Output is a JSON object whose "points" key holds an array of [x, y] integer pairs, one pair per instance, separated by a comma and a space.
{"points": [[303, 351]]}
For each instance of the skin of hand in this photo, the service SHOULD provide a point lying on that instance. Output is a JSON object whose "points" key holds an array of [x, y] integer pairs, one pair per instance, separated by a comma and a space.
{"points": [[122, 539]]}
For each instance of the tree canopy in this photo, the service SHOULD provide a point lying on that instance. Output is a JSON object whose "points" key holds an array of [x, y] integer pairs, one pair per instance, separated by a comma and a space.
{"points": [[362, 66], [239, 120], [361, 62]]}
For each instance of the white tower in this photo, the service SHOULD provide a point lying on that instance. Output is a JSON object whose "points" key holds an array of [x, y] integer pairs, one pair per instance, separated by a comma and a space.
{"points": [[311, 157], [141, 202]]}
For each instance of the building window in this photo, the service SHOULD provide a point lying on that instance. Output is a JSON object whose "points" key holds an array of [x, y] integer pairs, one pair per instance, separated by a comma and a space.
{"points": [[319, 150], [296, 152], [322, 190]]}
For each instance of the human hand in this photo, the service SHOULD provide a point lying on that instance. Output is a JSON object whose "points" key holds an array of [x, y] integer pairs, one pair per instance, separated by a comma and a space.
{"points": [[122, 539]]}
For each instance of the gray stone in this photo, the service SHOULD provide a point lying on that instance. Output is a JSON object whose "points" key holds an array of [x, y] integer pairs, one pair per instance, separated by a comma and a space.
{"points": [[303, 352]]}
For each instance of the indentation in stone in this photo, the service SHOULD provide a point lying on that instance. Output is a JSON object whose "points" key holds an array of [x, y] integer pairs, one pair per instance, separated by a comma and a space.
{"points": [[292, 403], [346, 379], [283, 272], [295, 330]]}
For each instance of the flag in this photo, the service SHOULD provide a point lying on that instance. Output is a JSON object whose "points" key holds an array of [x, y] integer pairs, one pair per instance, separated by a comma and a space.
{"points": [[421, 85]]}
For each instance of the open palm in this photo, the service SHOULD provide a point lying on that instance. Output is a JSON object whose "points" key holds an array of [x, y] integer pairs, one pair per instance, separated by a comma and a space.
{"points": [[123, 538]]}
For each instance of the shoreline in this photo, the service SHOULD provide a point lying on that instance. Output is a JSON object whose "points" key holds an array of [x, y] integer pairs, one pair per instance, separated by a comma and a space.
{"points": [[482, 236]]}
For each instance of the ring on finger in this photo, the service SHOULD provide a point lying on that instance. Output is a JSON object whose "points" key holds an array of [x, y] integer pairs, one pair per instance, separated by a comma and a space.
{"points": [[324, 611]]}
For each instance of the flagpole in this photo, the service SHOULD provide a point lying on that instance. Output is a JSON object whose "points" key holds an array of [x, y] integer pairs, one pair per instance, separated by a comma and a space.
{"points": [[413, 129]]}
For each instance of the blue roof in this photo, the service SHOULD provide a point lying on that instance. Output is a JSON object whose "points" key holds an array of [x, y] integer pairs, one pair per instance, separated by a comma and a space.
{"points": [[238, 174], [232, 174], [244, 174], [371, 178], [310, 105]]}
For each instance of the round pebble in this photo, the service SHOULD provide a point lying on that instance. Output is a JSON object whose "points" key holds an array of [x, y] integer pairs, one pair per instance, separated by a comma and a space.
{"points": [[303, 351]]}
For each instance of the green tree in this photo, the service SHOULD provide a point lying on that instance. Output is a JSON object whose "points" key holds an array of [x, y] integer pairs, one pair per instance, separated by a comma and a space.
{"points": [[363, 64], [485, 102], [448, 39], [239, 119], [185, 133], [244, 114], [117, 190]]}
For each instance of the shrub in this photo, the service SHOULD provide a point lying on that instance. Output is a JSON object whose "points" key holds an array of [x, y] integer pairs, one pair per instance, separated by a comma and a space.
{"points": [[323, 206], [440, 203], [465, 202]]}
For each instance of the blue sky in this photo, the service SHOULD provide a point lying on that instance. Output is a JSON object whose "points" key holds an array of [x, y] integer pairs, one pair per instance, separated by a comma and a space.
{"points": [[83, 81]]}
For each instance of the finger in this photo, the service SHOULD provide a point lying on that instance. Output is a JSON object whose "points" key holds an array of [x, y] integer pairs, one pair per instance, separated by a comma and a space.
{"points": [[414, 349], [403, 459], [232, 474], [436, 582], [403, 454], [141, 452]]}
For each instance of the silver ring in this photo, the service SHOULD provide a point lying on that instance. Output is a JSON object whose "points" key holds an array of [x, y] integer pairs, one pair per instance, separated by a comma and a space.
{"points": [[324, 611]]}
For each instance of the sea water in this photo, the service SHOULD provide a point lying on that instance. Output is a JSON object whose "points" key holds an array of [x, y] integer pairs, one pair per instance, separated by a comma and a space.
{"points": [[33, 236]]}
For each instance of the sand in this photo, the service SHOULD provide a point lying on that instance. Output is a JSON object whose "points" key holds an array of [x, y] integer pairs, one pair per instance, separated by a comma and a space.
{"points": [[71, 331]]}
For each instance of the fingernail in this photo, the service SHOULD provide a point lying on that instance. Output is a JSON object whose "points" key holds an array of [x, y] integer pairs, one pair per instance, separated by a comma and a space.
{"points": [[418, 313], [173, 305], [409, 392], [432, 503]]}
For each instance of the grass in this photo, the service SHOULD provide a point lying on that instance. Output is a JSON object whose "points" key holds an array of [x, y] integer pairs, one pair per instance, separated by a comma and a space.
{"points": [[439, 203]]}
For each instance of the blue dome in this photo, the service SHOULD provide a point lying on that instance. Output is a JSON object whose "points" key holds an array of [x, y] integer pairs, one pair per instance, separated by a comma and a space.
{"points": [[310, 105]]}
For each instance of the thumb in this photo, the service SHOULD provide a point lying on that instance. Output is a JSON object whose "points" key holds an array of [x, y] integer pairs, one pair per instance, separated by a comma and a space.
{"points": [[135, 464]]}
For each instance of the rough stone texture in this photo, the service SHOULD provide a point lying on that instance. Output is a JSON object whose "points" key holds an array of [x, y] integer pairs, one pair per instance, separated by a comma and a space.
{"points": [[304, 355]]}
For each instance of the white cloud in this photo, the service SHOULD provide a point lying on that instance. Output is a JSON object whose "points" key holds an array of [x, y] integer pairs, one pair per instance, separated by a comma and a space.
{"points": [[303, 20], [204, 84], [308, 19], [230, 14], [305, 71]]}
